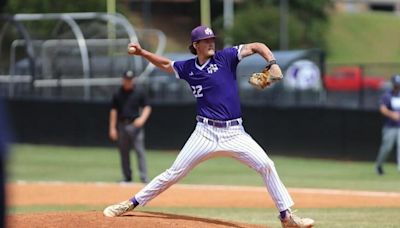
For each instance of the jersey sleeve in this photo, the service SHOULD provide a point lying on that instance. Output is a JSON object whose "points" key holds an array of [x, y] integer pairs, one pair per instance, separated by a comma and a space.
{"points": [[114, 102], [385, 100], [232, 56], [179, 69], [144, 101]]}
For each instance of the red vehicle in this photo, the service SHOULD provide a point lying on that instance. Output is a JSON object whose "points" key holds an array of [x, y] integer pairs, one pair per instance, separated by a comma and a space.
{"points": [[350, 78]]}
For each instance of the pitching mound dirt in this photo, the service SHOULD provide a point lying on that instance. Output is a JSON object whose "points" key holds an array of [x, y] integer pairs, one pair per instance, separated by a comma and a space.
{"points": [[134, 219]]}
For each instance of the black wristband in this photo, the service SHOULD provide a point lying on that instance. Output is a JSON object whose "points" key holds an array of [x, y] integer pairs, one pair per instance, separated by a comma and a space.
{"points": [[270, 63]]}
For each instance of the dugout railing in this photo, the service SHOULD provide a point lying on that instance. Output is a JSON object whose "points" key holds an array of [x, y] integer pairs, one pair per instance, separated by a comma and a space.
{"points": [[69, 55]]}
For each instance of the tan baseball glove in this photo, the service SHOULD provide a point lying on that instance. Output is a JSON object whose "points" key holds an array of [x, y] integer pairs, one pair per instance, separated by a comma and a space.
{"points": [[271, 73]]}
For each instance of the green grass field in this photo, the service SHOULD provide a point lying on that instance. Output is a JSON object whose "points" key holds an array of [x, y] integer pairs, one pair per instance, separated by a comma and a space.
{"points": [[77, 164], [370, 37], [49, 163]]}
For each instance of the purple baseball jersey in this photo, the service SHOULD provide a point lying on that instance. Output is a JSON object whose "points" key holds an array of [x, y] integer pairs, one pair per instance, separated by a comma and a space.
{"points": [[392, 102], [214, 83]]}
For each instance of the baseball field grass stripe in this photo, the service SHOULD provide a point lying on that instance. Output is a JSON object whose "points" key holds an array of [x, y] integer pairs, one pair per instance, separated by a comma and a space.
{"points": [[94, 194], [95, 164], [231, 188]]}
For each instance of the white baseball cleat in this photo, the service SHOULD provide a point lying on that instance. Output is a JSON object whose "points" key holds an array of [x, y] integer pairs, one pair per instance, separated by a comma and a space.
{"points": [[293, 221], [118, 209]]}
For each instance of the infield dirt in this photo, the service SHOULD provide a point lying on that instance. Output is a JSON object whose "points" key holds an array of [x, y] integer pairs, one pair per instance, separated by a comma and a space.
{"points": [[102, 194]]}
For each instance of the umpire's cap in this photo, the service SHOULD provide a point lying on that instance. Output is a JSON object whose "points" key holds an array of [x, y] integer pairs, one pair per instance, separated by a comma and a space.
{"points": [[396, 80], [128, 75], [200, 33]]}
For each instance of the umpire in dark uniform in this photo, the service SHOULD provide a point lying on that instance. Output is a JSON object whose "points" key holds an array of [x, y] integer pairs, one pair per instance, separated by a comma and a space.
{"points": [[129, 112]]}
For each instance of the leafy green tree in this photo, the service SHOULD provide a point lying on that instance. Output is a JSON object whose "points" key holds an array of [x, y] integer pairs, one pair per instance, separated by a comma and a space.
{"points": [[43, 29], [51, 6], [259, 20], [315, 15], [262, 24]]}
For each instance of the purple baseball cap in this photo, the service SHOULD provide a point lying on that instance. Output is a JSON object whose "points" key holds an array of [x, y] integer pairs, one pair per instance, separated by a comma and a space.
{"points": [[200, 33], [396, 80]]}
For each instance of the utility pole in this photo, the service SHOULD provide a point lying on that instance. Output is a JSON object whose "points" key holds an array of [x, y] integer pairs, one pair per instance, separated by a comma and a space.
{"points": [[146, 9], [205, 12], [228, 20], [283, 25], [111, 9]]}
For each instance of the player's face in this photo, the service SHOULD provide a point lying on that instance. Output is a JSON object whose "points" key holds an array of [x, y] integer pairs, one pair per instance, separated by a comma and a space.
{"points": [[127, 84], [206, 47]]}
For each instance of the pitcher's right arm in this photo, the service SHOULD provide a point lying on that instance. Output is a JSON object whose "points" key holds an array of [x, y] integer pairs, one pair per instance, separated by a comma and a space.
{"points": [[161, 62]]}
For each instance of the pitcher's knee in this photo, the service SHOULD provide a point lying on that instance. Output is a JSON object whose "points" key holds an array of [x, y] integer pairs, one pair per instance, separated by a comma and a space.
{"points": [[172, 175], [265, 166]]}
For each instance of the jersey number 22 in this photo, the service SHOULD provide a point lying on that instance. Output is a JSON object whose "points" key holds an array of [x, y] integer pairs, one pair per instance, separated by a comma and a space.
{"points": [[197, 90]]}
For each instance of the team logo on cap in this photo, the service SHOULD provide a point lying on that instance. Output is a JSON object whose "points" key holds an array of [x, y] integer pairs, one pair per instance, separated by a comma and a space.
{"points": [[208, 31]]}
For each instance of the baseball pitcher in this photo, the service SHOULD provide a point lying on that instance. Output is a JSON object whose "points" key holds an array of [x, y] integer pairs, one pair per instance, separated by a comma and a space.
{"points": [[219, 131]]}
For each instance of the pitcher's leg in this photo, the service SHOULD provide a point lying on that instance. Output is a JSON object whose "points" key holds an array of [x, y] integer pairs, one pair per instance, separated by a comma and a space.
{"points": [[249, 152], [195, 150], [141, 155]]}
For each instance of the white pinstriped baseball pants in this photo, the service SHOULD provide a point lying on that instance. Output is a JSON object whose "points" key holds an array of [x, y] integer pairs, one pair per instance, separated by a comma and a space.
{"points": [[208, 141]]}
